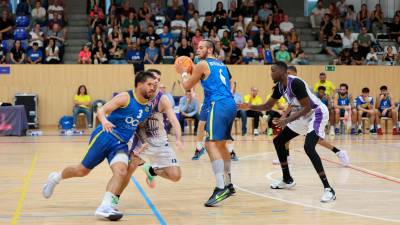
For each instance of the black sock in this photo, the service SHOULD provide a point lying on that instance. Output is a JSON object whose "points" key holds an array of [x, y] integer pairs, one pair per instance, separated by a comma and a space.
{"points": [[335, 150], [118, 196], [152, 172], [324, 180]]}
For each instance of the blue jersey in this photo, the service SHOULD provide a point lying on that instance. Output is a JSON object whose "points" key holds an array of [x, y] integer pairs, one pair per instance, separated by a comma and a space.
{"points": [[217, 85], [324, 100], [385, 103], [343, 101], [364, 103], [127, 119]]}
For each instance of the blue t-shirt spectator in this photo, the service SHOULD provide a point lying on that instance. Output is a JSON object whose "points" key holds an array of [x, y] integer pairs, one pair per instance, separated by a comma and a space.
{"points": [[166, 39], [152, 53], [35, 55]]}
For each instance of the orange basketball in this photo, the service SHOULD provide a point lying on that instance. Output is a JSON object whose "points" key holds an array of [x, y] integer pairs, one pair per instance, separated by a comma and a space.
{"points": [[184, 62]]}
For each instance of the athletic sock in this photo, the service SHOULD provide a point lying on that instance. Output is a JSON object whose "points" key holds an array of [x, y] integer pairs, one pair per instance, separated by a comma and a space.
{"points": [[230, 147], [109, 199], [324, 180], [218, 169], [371, 127], [335, 150], [227, 172]]}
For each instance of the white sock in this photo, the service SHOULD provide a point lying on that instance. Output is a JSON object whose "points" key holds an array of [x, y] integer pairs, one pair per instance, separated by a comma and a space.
{"points": [[199, 145], [109, 199], [227, 172], [230, 147], [218, 168], [58, 178], [359, 126]]}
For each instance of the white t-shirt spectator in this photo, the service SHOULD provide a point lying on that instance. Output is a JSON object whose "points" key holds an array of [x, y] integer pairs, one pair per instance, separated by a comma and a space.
{"points": [[319, 12], [250, 52], [34, 38], [177, 23], [286, 26], [38, 12], [53, 8], [279, 38], [372, 56], [347, 42], [193, 26]]}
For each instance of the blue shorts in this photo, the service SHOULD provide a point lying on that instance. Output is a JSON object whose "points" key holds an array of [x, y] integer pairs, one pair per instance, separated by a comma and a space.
{"points": [[205, 109], [102, 145], [220, 119]]}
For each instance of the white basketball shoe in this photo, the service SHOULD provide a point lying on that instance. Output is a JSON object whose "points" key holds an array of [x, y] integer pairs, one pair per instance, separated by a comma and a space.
{"points": [[52, 181]]}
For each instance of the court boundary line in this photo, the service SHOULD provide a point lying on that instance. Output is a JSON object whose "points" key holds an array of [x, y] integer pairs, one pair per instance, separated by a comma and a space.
{"points": [[382, 176], [148, 201], [25, 187]]}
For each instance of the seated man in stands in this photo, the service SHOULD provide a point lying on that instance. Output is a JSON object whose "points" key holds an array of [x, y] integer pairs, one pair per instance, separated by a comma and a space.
{"points": [[343, 105], [365, 108], [35, 55], [250, 53], [386, 108], [189, 108], [254, 99]]}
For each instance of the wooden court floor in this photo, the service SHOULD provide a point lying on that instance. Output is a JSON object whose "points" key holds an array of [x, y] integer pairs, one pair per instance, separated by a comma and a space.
{"points": [[368, 192]]}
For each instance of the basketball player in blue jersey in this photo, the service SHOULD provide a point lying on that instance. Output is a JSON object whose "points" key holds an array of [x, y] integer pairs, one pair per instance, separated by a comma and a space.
{"points": [[343, 105], [386, 108], [214, 79], [109, 140], [366, 108], [308, 116]]}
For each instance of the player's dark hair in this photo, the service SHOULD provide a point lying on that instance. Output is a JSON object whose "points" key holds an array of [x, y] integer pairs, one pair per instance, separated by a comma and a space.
{"points": [[210, 44], [344, 85], [154, 71], [292, 68], [383, 87], [365, 90], [281, 65], [321, 88], [142, 76]]}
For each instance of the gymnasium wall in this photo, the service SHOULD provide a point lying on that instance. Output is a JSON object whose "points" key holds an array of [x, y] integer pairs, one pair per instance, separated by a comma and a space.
{"points": [[56, 85]]}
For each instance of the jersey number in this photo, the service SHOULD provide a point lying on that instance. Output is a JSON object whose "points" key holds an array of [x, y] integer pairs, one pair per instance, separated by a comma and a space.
{"points": [[140, 114], [221, 76]]}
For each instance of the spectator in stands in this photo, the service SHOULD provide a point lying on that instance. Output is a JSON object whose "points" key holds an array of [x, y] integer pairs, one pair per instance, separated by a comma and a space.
{"points": [[347, 39], [261, 38], [267, 54], [253, 27], [365, 108], [234, 54], [3, 58], [148, 36], [219, 52], [350, 21], [17, 53], [282, 55], [146, 23], [292, 39], [364, 40], [132, 34], [195, 23], [98, 35], [334, 43], [220, 16], [386, 108], [173, 10], [189, 108], [178, 24], [151, 54], [125, 10], [334, 14], [344, 108], [4, 6], [389, 57], [285, 25], [190, 11], [184, 34], [249, 53], [143, 11], [344, 57], [294, 51], [240, 40], [185, 50], [247, 8], [96, 13], [240, 24], [56, 7], [342, 7], [35, 55], [116, 54], [254, 99], [57, 19], [213, 36], [300, 59], [357, 57], [372, 57], [326, 28], [135, 56], [52, 52], [130, 20], [225, 40], [112, 20], [208, 23], [264, 12], [269, 25], [58, 34], [377, 20], [100, 53], [167, 42], [363, 17], [395, 29], [6, 26], [233, 14], [82, 104], [38, 13], [22, 8], [196, 39], [317, 14], [85, 55], [115, 35], [278, 17], [276, 39], [36, 36], [96, 22]]}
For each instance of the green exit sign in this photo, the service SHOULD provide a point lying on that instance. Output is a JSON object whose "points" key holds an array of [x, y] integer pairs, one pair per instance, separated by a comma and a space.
{"points": [[330, 68]]}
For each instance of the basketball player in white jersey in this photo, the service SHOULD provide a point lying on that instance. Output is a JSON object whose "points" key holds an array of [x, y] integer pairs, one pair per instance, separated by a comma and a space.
{"points": [[309, 117], [152, 134]]}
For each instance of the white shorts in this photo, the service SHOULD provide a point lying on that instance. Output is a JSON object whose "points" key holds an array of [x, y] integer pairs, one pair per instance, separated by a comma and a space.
{"points": [[315, 121], [160, 157]]}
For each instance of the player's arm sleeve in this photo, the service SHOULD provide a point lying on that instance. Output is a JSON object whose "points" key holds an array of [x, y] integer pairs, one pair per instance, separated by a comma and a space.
{"points": [[299, 89], [276, 94]]}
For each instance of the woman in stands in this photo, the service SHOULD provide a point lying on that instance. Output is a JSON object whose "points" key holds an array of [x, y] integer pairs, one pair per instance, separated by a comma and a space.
{"points": [[52, 51]]}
